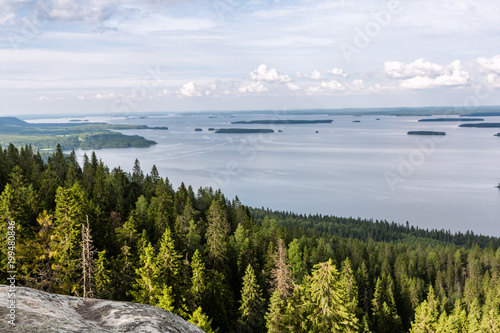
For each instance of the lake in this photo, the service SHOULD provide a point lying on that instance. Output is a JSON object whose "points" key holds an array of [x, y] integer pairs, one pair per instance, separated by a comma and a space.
{"points": [[368, 169]]}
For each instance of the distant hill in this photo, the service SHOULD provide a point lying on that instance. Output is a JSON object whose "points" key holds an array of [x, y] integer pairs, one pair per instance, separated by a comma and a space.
{"points": [[12, 121]]}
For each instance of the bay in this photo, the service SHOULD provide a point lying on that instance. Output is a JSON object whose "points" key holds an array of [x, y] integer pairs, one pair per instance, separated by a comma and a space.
{"points": [[367, 169]]}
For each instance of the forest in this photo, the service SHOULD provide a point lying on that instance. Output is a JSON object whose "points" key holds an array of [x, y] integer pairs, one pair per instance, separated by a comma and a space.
{"points": [[92, 231], [46, 136]]}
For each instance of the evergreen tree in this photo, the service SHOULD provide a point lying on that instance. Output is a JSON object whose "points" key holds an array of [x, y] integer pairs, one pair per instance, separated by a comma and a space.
{"points": [[102, 276], [275, 316], [328, 307], [426, 315], [71, 211], [217, 237], [201, 320], [252, 304]]}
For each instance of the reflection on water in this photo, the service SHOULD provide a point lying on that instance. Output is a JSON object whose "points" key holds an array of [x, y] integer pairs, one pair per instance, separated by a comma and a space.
{"points": [[370, 169]]}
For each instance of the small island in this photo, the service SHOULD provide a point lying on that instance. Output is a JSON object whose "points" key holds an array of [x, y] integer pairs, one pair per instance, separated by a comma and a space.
{"points": [[356, 121], [243, 130], [283, 122], [498, 134], [425, 133], [158, 128], [482, 125], [198, 129], [450, 119], [211, 129]]}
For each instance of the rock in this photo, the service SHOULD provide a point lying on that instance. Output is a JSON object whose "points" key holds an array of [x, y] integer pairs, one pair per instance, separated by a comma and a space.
{"points": [[38, 311]]}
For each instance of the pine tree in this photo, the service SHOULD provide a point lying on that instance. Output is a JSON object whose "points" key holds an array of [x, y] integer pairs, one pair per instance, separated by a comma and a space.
{"points": [[252, 304]]}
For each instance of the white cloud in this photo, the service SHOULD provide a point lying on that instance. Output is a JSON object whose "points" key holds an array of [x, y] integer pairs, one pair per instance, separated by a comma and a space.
{"points": [[269, 75], [315, 75], [337, 72], [252, 87], [451, 75], [48, 99], [81, 98], [326, 87], [357, 84], [292, 86], [190, 89], [489, 65], [105, 96], [399, 70]]}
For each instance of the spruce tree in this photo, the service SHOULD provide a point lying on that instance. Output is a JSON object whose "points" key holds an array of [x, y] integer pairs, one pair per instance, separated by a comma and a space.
{"points": [[252, 304]]}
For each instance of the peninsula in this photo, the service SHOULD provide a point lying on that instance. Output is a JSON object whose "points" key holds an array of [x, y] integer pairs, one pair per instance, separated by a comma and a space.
{"points": [[46, 136]]}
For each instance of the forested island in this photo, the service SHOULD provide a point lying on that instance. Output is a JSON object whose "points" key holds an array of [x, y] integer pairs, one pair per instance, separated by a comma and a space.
{"points": [[93, 231], [482, 125], [70, 135], [243, 130], [284, 122], [426, 133], [449, 119]]}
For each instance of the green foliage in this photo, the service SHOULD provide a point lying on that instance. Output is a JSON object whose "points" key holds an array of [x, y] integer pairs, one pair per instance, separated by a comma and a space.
{"points": [[252, 304], [248, 269]]}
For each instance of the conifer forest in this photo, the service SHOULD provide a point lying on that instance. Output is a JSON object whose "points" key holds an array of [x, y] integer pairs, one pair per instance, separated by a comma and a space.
{"points": [[90, 231]]}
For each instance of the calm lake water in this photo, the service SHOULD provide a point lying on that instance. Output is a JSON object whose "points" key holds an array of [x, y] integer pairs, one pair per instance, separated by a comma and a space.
{"points": [[368, 169]]}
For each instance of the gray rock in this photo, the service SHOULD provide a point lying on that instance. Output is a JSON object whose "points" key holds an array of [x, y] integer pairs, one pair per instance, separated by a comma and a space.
{"points": [[38, 311]]}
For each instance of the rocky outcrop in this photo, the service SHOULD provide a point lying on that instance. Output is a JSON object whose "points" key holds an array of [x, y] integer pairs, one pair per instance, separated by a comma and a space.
{"points": [[38, 311]]}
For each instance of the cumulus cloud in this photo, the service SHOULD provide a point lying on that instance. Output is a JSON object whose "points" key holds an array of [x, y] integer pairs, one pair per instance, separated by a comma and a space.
{"points": [[451, 75], [269, 75], [421, 74], [105, 96], [190, 89], [399, 70], [489, 65], [252, 87], [326, 87], [315, 75], [337, 72]]}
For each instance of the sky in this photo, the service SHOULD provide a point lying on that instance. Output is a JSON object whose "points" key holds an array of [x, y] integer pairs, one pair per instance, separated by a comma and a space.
{"points": [[120, 56]]}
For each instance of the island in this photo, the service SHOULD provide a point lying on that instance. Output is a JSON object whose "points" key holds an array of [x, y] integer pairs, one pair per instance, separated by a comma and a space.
{"points": [[283, 122], [243, 130], [73, 135], [198, 129], [211, 129], [482, 114], [356, 121], [498, 134], [450, 119], [425, 133], [482, 125]]}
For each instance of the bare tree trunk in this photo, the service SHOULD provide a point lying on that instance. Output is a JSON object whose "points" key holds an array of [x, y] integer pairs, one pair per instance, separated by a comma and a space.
{"points": [[87, 261]]}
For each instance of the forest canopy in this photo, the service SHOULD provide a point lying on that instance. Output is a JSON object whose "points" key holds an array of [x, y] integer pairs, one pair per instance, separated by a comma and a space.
{"points": [[92, 231]]}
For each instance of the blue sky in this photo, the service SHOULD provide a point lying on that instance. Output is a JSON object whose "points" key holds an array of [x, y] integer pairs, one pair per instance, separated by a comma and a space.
{"points": [[107, 56]]}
